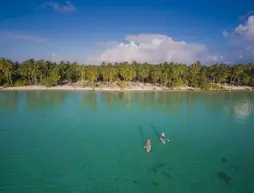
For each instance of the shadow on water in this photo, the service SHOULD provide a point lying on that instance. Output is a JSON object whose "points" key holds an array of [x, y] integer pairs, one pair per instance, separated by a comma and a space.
{"points": [[224, 177], [9, 100], [155, 130], [160, 169], [142, 134], [120, 96]]}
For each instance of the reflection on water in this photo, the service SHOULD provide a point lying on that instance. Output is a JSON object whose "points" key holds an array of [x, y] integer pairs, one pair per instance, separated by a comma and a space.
{"points": [[89, 99], [241, 109], [9, 100], [38, 100], [33, 100], [239, 105], [109, 99], [64, 147]]}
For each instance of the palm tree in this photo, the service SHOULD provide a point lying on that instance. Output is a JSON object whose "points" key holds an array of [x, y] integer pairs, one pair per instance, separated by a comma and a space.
{"points": [[222, 72], [6, 66], [167, 74], [35, 71], [54, 74], [25, 72], [213, 72], [237, 71], [155, 74], [92, 74], [83, 73], [105, 70], [194, 71]]}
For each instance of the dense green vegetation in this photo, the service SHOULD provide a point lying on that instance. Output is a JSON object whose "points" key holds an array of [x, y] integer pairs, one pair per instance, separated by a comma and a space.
{"points": [[41, 72]]}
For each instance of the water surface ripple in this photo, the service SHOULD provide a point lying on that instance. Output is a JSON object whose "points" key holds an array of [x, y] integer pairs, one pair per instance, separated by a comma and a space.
{"points": [[91, 142]]}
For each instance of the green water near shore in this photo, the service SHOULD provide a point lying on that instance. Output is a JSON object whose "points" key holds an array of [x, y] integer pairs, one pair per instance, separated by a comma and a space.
{"points": [[73, 142]]}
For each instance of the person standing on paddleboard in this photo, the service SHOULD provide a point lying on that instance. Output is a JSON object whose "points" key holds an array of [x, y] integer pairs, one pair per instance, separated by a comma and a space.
{"points": [[148, 143], [163, 136]]}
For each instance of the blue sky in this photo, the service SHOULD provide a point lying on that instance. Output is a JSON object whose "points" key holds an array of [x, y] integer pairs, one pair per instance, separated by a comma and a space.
{"points": [[91, 31]]}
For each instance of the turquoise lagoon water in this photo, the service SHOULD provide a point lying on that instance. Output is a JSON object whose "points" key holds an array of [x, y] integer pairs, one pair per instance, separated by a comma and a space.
{"points": [[92, 142]]}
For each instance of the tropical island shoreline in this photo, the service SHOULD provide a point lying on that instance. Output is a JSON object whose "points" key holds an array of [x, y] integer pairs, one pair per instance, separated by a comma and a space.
{"points": [[132, 88], [47, 75]]}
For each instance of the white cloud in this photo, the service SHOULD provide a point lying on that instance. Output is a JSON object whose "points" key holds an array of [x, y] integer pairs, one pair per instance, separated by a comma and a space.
{"points": [[107, 43], [245, 16], [61, 8], [156, 48], [246, 30], [242, 39], [225, 33]]}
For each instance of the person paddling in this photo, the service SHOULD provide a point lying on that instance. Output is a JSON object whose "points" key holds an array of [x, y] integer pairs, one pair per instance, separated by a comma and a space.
{"points": [[162, 136]]}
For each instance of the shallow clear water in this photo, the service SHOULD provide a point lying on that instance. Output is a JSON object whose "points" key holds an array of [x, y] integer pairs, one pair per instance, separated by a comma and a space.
{"points": [[91, 142]]}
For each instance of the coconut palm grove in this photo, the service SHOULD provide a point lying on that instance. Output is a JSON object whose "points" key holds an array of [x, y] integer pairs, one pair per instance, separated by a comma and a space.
{"points": [[168, 74]]}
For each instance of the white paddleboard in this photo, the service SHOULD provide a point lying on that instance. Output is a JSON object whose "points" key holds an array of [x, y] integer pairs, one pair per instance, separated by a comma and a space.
{"points": [[162, 140], [148, 148]]}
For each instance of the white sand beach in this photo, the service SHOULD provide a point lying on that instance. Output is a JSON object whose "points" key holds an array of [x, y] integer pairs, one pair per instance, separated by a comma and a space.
{"points": [[131, 88], [67, 87], [235, 88]]}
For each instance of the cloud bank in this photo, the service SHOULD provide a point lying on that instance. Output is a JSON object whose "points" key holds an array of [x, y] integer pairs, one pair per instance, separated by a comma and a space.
{"points": [[156, 48]]}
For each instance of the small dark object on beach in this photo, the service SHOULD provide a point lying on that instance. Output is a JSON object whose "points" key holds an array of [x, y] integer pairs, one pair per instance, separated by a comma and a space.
{"points": [[224, 177]]}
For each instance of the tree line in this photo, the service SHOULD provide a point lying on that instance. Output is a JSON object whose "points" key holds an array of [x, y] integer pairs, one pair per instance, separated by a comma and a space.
{"points": [[42, 72]]}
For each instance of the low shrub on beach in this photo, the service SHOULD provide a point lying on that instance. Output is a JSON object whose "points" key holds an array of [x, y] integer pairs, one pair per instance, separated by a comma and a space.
{"points": [[179, 83], [215, 87], [205, 85], [19, 83], [48, 82], [122, 83], [7, 85]]}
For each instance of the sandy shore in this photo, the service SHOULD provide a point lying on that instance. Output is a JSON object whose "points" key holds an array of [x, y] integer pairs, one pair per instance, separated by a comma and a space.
{"points": [[133, 88], [66, 87], [237, 88]]}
